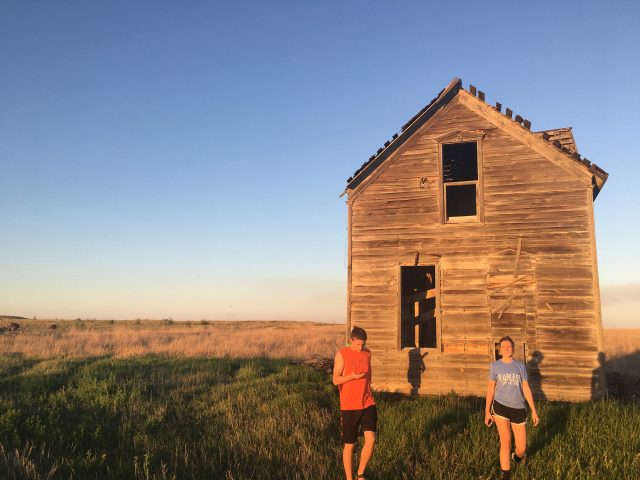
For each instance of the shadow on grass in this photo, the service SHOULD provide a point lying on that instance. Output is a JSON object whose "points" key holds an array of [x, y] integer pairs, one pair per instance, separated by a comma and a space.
{"points": [[618, 377], [419, 427], [553, 422]]}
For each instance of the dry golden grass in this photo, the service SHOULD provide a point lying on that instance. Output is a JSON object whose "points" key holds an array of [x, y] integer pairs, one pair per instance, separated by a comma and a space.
{"points": [[621, 341], [76, 339], [622, 351]]}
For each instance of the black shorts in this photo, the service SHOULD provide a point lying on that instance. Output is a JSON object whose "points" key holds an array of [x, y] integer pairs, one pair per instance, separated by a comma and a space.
{"points": [[517, 416], [366, 419]]}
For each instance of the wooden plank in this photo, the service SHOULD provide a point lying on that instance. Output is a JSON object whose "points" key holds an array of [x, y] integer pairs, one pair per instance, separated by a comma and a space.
{"points": [[497, 283], [466, 347], [423, 295], [596, 289]]}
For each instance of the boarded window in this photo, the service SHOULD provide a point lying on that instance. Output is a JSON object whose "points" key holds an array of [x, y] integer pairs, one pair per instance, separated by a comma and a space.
{"points": [[460, 179], [418, 318]]}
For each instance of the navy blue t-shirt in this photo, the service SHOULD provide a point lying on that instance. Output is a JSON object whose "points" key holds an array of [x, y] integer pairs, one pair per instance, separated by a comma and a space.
{"points": [[509, 378]]}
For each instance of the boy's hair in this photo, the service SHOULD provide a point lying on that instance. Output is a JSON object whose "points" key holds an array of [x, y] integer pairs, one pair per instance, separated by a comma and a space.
{"points": [[507, 338], [358, 333]]}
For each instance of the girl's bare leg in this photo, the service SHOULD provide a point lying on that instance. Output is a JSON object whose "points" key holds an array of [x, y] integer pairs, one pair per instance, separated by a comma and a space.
{"points": [[520, 437], [504, 431]]}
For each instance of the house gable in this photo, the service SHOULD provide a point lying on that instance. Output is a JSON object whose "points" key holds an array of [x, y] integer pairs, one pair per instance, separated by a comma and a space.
{"points": [[557, 145], [412, 175]]}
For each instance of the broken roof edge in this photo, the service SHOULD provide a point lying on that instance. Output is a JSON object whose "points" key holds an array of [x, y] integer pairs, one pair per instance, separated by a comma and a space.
{"points": [[564, 135], [407, 130], [442, 99], [568, 143], [599, 176]]}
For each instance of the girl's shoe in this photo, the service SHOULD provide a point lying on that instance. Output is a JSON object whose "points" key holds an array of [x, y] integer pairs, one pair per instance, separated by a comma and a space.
{"points": [[519, 460]]}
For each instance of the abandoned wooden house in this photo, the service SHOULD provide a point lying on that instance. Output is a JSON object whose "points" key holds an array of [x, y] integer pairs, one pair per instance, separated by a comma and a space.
{"points": [[467, 226]]}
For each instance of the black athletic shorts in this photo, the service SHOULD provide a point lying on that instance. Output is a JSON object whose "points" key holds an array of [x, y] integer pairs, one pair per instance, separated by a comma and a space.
{"points": [[517, 416], [366, 419]]}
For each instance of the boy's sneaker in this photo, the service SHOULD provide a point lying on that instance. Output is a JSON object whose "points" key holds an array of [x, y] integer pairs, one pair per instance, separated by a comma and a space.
{"points": [[519, 460]]}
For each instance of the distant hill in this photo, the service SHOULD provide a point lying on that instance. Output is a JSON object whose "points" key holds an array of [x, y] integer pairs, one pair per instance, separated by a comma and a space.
{"points": [[11, 317]]}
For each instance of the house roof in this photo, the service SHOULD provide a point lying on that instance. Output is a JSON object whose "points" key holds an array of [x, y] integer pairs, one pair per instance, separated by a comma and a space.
{"points": [[561, 138], [564, 135]]}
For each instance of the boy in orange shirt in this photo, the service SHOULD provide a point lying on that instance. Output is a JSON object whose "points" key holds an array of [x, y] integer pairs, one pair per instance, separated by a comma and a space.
{"points": [[352, 375]]}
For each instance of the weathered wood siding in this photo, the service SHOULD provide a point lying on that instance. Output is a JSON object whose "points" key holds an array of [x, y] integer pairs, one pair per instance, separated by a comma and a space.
{"points": [[554, 308]]}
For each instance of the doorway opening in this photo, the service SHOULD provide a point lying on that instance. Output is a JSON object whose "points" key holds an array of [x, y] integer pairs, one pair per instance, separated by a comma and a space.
{"points": [[418, 301]]}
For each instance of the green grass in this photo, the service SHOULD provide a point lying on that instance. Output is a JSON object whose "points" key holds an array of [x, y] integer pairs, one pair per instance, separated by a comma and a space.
{"points": [[156, 418]]}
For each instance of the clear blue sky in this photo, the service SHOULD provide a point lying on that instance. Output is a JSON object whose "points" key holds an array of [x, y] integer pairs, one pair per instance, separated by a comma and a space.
{"points": [[184, 159]]}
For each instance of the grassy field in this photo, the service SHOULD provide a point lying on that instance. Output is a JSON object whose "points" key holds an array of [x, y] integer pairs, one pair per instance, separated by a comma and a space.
{"points": [[169, 400], [160, 417]]}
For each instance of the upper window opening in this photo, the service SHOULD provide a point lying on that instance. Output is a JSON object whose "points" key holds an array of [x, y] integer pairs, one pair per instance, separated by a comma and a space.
{"points": [[459, 162], [460, 181], [461, 200]]}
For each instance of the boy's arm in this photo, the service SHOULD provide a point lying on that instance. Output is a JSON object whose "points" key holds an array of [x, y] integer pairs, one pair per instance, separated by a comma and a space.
{"points": [[338, 370]]}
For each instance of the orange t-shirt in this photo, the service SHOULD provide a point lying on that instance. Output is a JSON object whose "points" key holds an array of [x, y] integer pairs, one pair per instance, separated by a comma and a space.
{"points": [[356, 394]]}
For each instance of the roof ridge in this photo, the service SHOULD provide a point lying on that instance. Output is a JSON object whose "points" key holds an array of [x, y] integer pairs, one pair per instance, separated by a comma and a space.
{"points": [[554, 129], [443, 97], [454, 84], [526, 125]]}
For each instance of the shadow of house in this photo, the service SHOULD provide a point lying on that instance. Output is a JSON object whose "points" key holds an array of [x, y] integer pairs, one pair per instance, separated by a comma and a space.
{"points": [[622, 375]]}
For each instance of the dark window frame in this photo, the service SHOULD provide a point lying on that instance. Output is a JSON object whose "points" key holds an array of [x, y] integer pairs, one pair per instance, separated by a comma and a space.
{"points": [[455, 137]]}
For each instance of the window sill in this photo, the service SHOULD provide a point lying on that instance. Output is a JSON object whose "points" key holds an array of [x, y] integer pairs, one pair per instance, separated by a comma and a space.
{"points": [[422, 349], [469, 219]]}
